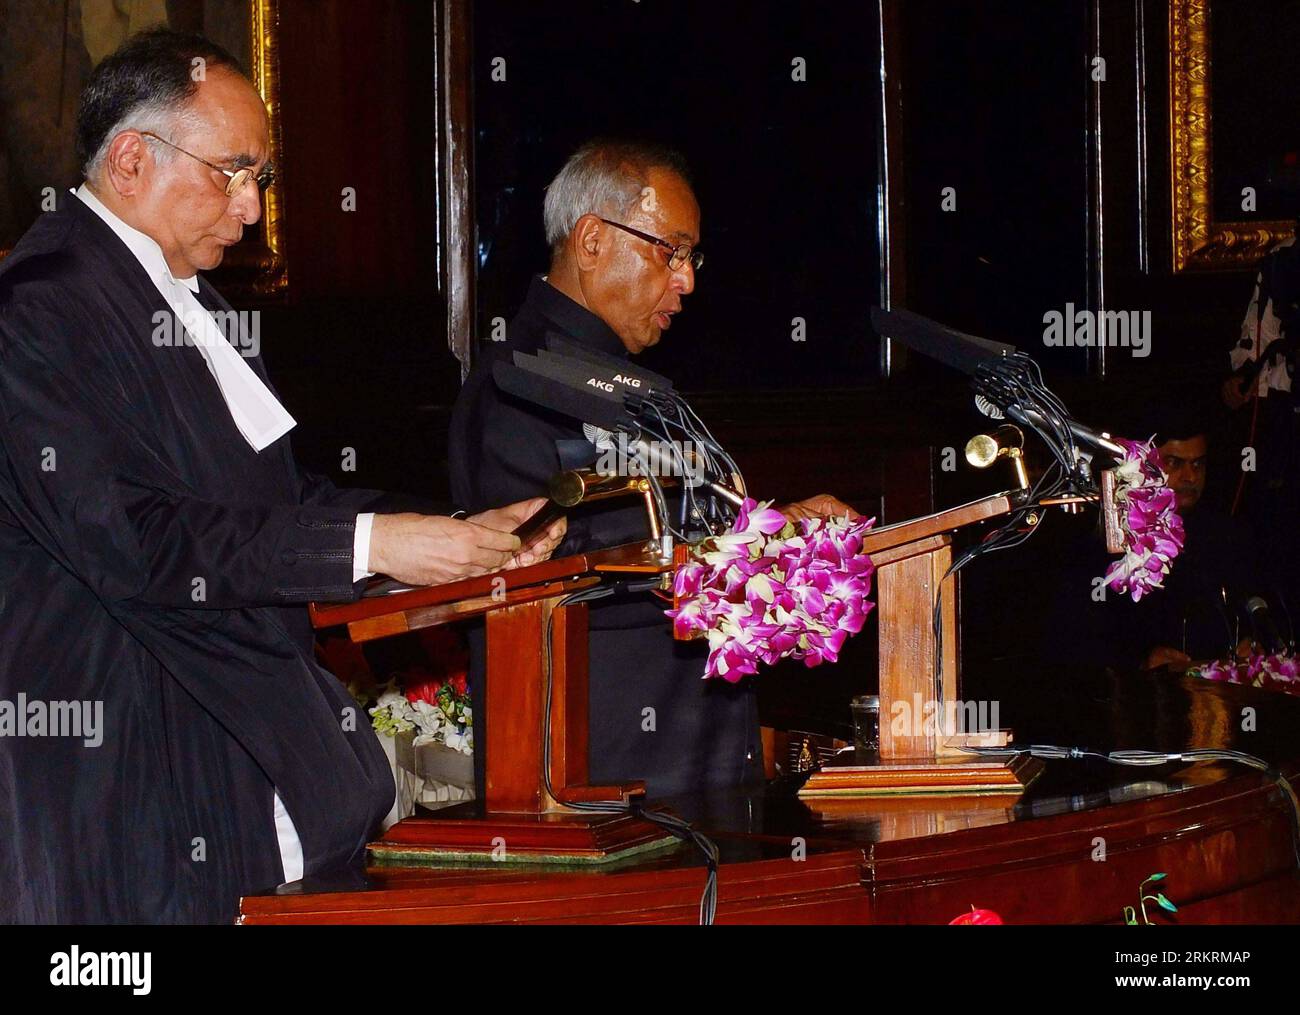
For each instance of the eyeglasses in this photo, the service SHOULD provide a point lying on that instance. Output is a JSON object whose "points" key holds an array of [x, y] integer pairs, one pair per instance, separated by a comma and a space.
{"points": [[681, 252], [237, 177]]}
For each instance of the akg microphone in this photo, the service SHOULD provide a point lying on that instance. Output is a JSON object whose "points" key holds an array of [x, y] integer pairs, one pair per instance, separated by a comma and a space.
{"points": [[649, 380], [662, 459], [577, 401]]}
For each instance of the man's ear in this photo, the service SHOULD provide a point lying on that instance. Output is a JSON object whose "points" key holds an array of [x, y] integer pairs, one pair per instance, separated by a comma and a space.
{"points": [[586, 241], [125, 162]]}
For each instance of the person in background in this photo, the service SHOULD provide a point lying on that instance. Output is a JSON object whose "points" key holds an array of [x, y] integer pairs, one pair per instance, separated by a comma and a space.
{"points": [[1201, 611], [1261, 393]]}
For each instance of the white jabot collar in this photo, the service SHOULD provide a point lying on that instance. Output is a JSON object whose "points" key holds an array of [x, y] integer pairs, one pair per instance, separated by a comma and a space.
{"points": [[144, 247], [256, 411]]}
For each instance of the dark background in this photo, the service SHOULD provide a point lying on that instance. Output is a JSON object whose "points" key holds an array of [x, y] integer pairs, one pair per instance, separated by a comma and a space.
{"points": [[1256, 114]]}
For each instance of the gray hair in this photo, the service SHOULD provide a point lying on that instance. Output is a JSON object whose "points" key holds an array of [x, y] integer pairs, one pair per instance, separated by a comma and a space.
{"points": [[166, 118], [604, 178], [144, 85]]}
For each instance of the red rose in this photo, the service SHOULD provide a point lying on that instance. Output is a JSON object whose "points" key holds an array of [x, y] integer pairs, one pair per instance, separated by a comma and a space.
{"points": [[424, 690], [459, 684]]}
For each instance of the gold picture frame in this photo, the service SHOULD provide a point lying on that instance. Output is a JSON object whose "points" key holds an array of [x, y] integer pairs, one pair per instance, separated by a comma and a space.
{"points": [[1200, 242], [257, 267]]}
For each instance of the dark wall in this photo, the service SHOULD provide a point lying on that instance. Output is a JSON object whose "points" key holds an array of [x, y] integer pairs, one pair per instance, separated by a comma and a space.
{"points": [[359, 351], [783, 159]]}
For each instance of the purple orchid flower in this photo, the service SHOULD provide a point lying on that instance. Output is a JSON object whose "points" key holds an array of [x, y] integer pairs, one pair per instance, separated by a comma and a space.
{"points": [[772, 590], [1153, 531]]}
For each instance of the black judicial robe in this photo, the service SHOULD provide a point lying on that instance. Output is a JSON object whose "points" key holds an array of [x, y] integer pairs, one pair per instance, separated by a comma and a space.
{"points": [[502, 450], [123, 483]]}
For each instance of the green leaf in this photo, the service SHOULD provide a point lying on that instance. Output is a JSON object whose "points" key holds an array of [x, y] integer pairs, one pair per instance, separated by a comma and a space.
{"points": [[1166, 904], [1130, 916], [1156, 877]]}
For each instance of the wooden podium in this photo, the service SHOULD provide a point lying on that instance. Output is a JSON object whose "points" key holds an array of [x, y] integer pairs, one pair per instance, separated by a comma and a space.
{"points": [[911, 559], [523, 821]]}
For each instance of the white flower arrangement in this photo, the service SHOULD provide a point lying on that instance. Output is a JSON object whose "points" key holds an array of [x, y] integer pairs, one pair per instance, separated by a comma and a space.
{"points": [[435, 724]]}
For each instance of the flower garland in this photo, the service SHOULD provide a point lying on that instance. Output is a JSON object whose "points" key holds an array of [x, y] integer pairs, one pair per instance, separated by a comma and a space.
{"points": [[1271, 672], [772, 589], [1153, 531]]}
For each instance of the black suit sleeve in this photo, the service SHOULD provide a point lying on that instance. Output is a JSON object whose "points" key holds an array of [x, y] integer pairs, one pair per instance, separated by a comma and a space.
{"points": [[81, 472]]}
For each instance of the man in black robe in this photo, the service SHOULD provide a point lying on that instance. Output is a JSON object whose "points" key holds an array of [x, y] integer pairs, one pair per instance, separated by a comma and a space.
{"points": [[159, 541], [623, 225]]}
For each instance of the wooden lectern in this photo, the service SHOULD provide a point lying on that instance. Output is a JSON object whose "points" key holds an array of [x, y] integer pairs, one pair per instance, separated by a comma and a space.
{"points": [[523, 820], [911, 559]]}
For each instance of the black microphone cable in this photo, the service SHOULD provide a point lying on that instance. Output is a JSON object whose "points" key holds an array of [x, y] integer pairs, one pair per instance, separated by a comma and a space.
{"points": [[670, 823], [1010, 534], [1149, 758]]}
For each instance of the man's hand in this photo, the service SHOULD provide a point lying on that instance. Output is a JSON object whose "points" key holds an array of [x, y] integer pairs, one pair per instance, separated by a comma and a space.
{"points": [[1164, 657], [1236, 392], [510, 517], [430, 550], [822, 506]]}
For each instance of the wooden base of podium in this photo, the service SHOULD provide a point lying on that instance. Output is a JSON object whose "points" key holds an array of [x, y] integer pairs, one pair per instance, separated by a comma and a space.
{"points": [[550, 838], [901, 777]]}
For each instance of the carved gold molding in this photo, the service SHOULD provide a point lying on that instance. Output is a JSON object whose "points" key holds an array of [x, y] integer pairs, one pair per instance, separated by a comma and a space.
{"points": [[260, 269], [1199, 242]]}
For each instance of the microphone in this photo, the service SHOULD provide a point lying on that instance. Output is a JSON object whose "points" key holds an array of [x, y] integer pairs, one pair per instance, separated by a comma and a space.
{"points": [[539, 386], [1032, 419], [930, 338], [650, 381], [609, 395], [983, 359], [1261, 620], [670, 459]]}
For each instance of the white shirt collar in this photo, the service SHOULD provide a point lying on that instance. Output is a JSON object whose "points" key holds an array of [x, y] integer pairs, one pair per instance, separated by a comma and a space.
{"points": [[144, 247], [256, 412]]}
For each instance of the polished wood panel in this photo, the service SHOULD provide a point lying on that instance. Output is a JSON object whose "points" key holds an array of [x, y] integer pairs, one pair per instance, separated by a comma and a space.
{"points": [[907, 591], [383, 616], [536, 706], [1226, 846], [1073, 849]]}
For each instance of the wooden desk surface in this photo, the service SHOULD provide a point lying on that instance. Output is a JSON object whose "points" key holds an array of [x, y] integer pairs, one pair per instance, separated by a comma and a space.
{"points": [[1221, 832]]}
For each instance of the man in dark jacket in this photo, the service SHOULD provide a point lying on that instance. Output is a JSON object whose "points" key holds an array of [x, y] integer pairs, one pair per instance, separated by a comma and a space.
{"points": [[624, 228], [1201, 612]]}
